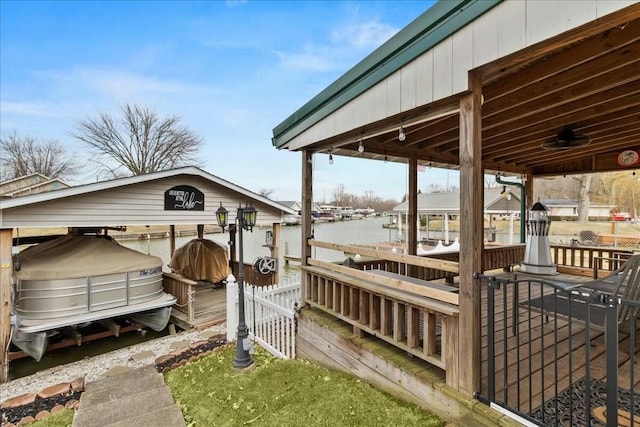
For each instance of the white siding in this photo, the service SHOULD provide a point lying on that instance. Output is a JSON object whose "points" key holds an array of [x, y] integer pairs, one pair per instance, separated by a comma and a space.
{"points": [[424, 78], [510, 21], [442, 72], [138, 204]]}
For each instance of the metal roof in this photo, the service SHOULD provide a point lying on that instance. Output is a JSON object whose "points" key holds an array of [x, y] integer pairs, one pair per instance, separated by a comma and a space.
{"points": [[437, 23], [585, 78], [450, 202], [137, 179]]}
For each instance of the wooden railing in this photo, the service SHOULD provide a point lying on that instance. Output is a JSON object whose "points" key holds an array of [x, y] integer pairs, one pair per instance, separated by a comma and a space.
{"points": [[587, 260], [493, 257], [184, 290], [421, 325], [410, 313]]}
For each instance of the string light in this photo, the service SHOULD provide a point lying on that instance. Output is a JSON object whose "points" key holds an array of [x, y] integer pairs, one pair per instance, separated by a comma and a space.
{"points": [[401, 135], [330, 158], [361, 146]]}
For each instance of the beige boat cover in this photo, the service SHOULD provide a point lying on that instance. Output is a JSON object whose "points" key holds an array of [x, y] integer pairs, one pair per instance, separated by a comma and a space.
{"points": [[201, 259], [70, 257]]}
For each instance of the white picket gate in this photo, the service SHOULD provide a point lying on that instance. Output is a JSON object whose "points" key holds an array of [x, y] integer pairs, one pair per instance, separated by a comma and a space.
{"points": [[269, 313]]}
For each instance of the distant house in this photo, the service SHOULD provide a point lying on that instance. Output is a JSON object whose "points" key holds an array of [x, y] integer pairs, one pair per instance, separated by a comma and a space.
{"points": [[441, 204], [568, 209], [30, 184], [297, 206]]}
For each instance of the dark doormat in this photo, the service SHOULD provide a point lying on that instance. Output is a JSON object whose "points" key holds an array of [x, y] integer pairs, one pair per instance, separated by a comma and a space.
{"points": [[572, 406]]}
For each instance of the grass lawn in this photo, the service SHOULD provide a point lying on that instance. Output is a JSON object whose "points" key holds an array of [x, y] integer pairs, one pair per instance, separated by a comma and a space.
{"points": [[278, 393], [283, 393]]}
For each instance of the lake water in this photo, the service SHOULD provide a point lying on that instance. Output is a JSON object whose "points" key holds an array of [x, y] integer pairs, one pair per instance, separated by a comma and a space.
{"points": [[360, 231]]}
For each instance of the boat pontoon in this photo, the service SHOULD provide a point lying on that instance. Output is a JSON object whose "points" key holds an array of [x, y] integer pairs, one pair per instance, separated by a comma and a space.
{"points": [[73, 280]]}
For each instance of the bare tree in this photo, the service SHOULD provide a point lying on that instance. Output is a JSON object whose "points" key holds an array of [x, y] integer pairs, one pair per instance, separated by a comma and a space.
{"points": [[24, 155], [139, 142], [265, 192], [584, 188], [339, 194]]}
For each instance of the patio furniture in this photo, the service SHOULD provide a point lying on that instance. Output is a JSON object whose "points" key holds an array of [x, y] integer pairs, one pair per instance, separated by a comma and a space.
{"points": [[624, 283]]}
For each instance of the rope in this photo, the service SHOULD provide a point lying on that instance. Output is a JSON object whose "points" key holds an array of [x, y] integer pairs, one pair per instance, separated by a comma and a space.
{"points": [[190, 299]]}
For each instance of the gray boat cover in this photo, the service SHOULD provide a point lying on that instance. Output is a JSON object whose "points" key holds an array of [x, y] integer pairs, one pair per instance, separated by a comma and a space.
{"points": [[70, 257], [201, 260]]}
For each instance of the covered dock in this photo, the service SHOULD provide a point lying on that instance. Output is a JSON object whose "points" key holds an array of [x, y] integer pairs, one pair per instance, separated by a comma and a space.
{"points": [[184, 196], [516, 89]]}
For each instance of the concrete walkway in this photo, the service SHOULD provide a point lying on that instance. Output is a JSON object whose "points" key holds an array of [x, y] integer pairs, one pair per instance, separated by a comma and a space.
{"points": [[138, 397]]}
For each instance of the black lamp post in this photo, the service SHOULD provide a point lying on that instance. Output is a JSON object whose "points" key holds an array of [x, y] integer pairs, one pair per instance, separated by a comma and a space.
{"points": [[246, 218]]}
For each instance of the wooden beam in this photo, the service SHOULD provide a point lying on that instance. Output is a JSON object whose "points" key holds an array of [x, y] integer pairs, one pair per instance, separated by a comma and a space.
{"points": [[275, 249], [471, 232], [394, 284], [6, 269], [111, 326], [307, 201], [436, 264]]}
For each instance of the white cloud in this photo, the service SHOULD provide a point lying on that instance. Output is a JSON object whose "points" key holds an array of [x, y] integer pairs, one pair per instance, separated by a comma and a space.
{"points": [[31, 109], [308, 60], [346, 45], [367, 35], [123, 85]]}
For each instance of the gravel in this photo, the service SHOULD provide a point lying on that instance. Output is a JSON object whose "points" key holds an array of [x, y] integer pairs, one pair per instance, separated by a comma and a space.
{"points": [[93, 368]]}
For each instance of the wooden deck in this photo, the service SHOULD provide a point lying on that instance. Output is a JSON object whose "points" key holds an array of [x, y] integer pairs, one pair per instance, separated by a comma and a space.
{"points": [[536, 358], [197, 306]]}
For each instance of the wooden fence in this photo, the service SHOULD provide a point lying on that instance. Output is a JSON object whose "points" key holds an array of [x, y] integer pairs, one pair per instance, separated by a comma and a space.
{"points": [[587, 260]]}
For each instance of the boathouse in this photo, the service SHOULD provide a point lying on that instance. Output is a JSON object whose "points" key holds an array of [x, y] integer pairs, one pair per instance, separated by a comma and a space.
{"points": [[142, 200], [520, 89]]}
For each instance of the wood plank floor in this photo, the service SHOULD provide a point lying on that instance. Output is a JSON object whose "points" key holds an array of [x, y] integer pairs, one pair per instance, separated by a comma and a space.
{"points": [[537, 357]]}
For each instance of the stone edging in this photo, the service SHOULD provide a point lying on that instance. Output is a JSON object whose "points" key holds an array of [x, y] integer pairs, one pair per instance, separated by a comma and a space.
{"points": [[174, 359], [71, 389]]}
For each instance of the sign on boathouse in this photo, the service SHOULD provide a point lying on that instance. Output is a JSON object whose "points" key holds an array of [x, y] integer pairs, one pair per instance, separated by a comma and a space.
{"points": [[183, 198]]}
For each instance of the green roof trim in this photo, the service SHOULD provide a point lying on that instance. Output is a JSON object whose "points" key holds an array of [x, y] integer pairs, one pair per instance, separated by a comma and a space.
{"points": [[439, 22]]}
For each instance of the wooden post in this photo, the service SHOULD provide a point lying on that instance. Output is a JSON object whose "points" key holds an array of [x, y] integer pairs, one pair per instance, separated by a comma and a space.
{"points": [[200, 228], [172, 239], [528, 193], [6, 269], [471, 237], [412, 213], [275, 250], [307, 199]]}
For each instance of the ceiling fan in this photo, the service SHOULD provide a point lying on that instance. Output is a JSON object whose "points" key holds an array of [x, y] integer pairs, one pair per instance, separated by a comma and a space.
{"points": [[565, 140]]}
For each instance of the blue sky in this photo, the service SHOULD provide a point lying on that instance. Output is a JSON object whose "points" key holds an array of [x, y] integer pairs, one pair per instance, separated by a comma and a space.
{"points": [[230, 70]]}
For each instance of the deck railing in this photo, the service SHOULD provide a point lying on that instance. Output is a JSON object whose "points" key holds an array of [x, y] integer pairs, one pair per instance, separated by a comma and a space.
{"points": [[417, 316], [560, 356], [587, 260], [184, 290]]}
